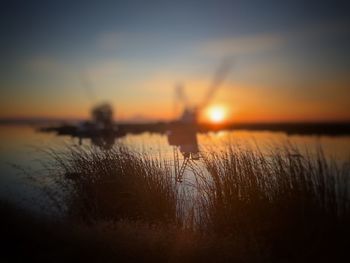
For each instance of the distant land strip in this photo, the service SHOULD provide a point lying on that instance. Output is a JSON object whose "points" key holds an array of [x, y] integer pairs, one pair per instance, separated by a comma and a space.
{"points": [[297, 128], [326, 128]]}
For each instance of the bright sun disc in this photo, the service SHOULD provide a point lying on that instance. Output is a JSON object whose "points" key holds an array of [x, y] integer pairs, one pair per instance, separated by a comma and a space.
{"points": [[217, 114]]}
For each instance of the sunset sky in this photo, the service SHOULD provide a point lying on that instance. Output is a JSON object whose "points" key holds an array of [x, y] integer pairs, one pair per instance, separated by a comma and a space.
{"points": [[291, 59]]}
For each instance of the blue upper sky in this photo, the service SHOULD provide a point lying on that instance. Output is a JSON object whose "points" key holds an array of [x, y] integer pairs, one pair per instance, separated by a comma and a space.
{"points": [[63, 26]]}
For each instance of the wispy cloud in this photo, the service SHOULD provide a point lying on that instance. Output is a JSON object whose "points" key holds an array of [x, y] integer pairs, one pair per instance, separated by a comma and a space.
{"points": [[97, 71], [252, 44], [319, 31], [44, 64], [110, 41], [102, 70], [241, 45]]}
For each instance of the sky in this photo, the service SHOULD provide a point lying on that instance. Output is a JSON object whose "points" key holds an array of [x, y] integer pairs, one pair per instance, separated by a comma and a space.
{"points": [[290, 59]]}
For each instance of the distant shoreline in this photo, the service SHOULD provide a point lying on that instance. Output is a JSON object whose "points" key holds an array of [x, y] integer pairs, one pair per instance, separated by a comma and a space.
{"points": [[326, 128], [297, 128]]}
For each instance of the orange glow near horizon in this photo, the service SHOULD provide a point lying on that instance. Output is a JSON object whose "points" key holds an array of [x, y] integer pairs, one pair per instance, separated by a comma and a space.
{"points": [[238, 104]]}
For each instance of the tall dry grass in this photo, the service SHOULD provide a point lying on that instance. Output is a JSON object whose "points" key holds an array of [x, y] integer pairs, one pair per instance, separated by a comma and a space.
{"points": [[285, 202], [241, 205], [115, 184]]}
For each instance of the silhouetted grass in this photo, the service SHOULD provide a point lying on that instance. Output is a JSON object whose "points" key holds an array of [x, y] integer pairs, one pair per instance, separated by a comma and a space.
{"points": [[115, 184], [285, 203], [247, 206]]}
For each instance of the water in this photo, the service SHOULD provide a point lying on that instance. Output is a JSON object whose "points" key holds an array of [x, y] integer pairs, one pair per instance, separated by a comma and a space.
{"points": [[22, 152]]}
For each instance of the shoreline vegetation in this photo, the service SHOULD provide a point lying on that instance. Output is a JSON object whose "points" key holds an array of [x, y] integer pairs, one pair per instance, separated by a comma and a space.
{"points": [[239, 206], [62, 126]]}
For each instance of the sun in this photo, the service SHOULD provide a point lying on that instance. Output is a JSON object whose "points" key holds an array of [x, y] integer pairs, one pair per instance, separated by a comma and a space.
{"points": [[217, 114]]}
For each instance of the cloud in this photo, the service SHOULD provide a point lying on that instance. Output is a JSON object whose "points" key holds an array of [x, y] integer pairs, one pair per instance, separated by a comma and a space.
{"points": [[120, 41], [111, 41], [97, 70], [241, 45], [252, 44], [325, 30], [103, 69], [44, 64]]}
